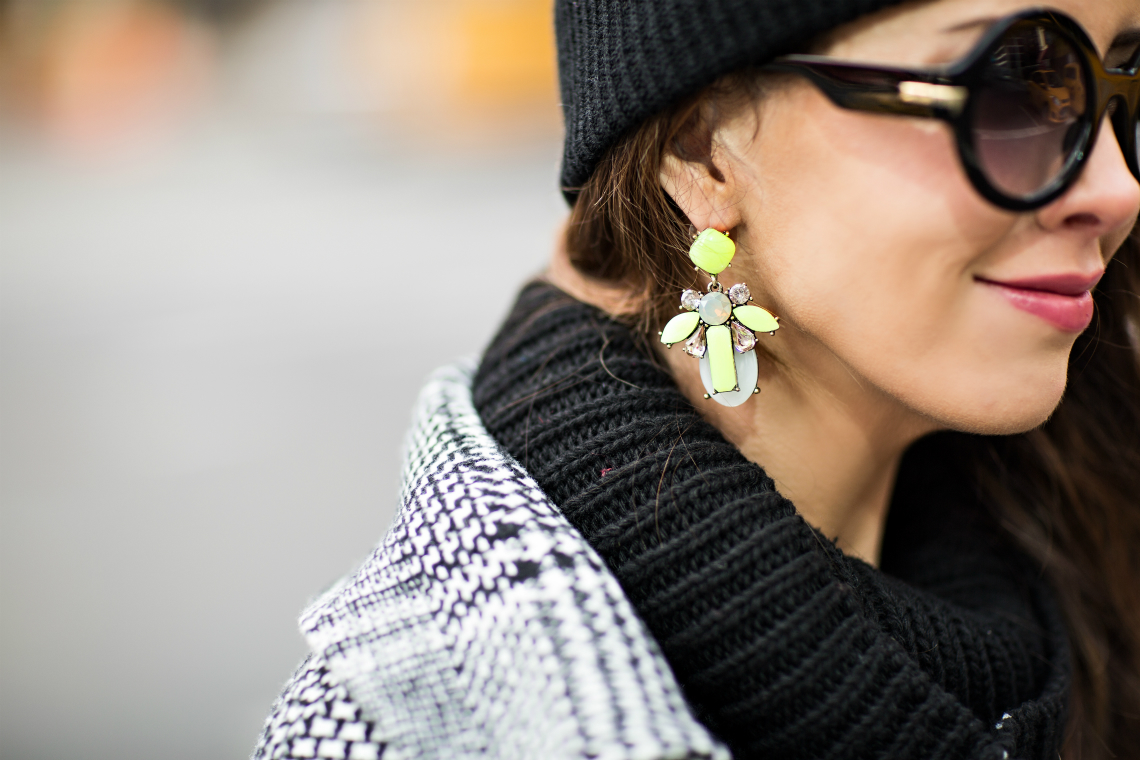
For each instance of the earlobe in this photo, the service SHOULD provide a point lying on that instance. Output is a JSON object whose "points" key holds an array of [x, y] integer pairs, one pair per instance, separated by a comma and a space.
{"points": [[705, 192]]}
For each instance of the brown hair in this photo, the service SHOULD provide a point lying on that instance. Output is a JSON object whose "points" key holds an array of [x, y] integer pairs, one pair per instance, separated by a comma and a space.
{"points": [[1067, 492], [624, 229]]}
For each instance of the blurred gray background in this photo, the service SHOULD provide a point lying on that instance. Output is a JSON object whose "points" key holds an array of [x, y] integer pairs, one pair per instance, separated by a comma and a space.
{"points": [[226, 229]]}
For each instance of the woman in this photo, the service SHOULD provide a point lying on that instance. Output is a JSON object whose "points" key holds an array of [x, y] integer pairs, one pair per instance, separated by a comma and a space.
{"points": [[916, 541]]}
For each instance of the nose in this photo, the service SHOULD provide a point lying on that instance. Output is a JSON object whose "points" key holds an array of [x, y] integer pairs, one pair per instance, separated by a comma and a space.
{"points": [[1104, 200]]}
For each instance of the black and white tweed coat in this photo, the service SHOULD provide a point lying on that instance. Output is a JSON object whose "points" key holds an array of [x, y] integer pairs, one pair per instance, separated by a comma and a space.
{"points": [[483, 625]]}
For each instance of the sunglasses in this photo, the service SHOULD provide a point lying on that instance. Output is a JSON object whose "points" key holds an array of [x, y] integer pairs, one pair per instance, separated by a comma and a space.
{"points": [[1025, 105]]}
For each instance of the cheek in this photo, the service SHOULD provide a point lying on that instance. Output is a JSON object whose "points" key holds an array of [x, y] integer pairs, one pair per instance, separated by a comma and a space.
{"points": [[869, 237]]}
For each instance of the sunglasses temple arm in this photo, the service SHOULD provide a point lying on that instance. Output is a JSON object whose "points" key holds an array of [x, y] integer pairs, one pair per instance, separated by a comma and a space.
{"points": [[878, 90]]}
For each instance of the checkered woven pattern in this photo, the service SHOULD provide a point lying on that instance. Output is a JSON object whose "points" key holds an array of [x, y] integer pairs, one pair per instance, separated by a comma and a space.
{"points": [[485, 625], [315, 718]]}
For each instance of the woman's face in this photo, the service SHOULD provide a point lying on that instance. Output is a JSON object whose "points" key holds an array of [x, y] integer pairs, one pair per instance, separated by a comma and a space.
{"points": [[863, 233]]}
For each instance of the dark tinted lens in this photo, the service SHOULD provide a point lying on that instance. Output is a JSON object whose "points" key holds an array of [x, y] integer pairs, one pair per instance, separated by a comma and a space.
{"points": [[1029, 118]]}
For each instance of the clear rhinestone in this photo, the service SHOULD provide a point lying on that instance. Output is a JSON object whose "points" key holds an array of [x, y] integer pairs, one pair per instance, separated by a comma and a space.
{"points": [[690, 299], [739, 293], [742, 338], [695, 346], [715, 308]]}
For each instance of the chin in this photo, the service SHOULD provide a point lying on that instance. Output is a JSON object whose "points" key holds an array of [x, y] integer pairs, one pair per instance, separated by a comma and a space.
{"points": [[1008, 409]]}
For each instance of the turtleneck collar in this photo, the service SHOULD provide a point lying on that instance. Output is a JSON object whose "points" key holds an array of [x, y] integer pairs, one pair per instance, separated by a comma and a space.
{"points": [[785, 646]]}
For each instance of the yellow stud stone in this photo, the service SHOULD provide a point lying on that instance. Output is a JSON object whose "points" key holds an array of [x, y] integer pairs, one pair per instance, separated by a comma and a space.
{"points": [[756, 318], [680, 327], [712, 251], [722, 362]]}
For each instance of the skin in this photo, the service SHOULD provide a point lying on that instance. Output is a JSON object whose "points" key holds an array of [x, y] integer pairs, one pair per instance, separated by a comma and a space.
{"points": [[863, 233]]}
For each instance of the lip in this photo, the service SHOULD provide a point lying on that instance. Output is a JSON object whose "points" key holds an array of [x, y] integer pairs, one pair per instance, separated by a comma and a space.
{"points": [[1063, 300], [1065, 283]]}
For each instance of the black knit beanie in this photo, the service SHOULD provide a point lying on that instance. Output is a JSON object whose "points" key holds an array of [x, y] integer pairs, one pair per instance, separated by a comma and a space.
{"points": [[621, 61]]}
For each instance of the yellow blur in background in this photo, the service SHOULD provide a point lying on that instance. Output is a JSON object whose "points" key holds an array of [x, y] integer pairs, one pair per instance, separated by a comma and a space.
{"points": [[462, 60], [90, 73]]}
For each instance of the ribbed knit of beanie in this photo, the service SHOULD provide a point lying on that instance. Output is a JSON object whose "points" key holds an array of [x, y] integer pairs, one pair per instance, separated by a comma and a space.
{"points": [[622, 61]]}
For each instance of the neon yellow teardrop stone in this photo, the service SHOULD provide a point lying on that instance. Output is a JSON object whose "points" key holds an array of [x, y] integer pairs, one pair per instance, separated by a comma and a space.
{"points": [[756, 318], [680, 327], [722, 362], [712, 251]]}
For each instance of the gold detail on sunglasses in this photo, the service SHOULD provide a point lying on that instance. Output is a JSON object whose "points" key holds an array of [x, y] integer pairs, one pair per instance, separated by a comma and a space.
{"points": [[947, 96]]}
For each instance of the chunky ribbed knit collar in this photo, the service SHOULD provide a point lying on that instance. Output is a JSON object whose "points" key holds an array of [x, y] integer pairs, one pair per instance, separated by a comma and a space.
{"points": [[784, 646]]}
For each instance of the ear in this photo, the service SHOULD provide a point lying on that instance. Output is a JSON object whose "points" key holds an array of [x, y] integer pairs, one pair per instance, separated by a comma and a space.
{"points": [[706, 191]]}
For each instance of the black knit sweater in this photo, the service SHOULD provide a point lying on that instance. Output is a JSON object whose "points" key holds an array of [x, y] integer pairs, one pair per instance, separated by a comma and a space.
{"points": [[785, 647]]}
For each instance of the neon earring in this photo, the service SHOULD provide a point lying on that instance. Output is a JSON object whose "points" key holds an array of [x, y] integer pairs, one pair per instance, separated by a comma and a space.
{"points": [[720, 329]]}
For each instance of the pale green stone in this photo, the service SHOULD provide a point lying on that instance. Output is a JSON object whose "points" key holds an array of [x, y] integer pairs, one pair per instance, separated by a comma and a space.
{"points": [[712, 251], [755, 318], [715, 308], [722, 361], [680, 327]]}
